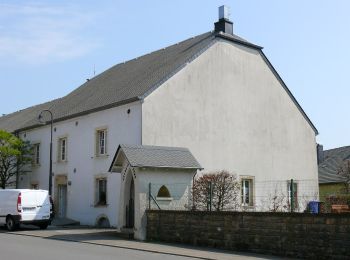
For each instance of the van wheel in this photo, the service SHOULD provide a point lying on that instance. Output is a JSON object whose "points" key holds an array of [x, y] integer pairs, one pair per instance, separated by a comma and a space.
{"points": [[10, 223], [43, 226]]}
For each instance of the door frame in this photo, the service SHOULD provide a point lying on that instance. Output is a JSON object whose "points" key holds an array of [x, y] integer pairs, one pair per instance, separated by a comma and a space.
{"points": [[60, 179]]}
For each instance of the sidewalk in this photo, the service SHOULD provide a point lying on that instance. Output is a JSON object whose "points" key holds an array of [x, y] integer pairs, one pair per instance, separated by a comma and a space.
{"points": [[109, 237]]}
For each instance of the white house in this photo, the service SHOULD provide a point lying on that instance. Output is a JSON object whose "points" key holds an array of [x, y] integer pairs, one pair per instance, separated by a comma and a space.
{"points": [[215, 94]]}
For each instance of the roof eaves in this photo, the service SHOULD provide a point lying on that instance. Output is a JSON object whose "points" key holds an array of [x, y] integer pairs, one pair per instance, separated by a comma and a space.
{"points": [[120, 148], [288, 92], [331, 182], [235, 40], [97, 109], [114, 157]]}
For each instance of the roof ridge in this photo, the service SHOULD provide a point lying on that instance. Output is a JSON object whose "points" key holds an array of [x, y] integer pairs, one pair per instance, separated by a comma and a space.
{"points": [[155, 147], [337, 148]]}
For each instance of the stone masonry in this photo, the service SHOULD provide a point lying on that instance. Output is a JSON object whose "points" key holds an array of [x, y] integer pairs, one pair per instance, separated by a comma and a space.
{"points": [[322, 236]]}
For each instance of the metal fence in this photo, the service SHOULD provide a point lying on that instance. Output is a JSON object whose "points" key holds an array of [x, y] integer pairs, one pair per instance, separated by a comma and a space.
{"points": [[260, 196]]}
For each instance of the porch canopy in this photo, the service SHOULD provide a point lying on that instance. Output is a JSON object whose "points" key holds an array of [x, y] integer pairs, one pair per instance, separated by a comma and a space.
{"points": [[167, 169], [153, 157]]}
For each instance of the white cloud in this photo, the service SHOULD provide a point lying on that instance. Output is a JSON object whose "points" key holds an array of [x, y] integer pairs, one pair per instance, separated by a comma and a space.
{"points": [[41, 33]]}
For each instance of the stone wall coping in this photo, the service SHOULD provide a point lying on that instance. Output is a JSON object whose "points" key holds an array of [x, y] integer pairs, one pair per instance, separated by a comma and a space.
{"points": [[240, 213]]}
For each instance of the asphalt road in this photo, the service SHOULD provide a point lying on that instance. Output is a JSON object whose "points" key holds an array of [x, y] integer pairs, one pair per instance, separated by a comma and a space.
{"points": [[13, 247]]}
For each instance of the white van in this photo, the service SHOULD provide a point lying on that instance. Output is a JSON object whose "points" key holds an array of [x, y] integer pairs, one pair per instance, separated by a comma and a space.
{"points": [[25, 206]]}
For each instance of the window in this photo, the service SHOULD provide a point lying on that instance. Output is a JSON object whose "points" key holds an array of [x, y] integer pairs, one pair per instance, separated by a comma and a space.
{"points": [[293, 194], [62, 149], [36, 154], [101, 142], [101, 191], [34, 186], [247, 192], [163, 192]]}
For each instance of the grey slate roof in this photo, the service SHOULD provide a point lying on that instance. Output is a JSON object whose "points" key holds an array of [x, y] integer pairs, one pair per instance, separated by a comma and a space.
{"points": [[329, 167], [158, 156], [126, 82], [123, 83]]}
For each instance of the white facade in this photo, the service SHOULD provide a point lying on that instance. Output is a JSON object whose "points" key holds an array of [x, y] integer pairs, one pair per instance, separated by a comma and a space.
{"points": [[230, 110], [227, 106], [177, 181], [82, 166]]}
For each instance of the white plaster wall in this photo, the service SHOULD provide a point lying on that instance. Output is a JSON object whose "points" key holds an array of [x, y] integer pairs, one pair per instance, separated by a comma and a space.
{"points": [[230, 110], [168, 177], [121, 127], [39, 174]]}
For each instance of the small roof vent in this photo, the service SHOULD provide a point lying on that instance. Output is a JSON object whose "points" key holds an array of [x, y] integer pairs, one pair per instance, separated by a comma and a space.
{"points": [[224, 24]]}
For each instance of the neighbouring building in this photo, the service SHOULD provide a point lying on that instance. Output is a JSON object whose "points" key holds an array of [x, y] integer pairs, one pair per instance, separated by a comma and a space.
{"points": [[330, 162], [216, 94]]}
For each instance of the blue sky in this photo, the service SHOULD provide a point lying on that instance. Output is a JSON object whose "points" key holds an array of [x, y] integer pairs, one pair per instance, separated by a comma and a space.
{"points": [[48, 48]]}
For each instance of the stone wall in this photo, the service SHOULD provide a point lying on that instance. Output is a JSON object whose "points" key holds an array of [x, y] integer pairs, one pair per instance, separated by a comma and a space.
{"points": [[322, 236]]}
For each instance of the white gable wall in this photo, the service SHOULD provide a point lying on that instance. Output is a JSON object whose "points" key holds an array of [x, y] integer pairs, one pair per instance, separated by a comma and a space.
{"points": [[177, 181], [230, 110], [121, 128]]}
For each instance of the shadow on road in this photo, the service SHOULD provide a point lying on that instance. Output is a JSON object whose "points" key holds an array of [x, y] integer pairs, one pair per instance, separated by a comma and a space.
{"points": [[112, 239]]}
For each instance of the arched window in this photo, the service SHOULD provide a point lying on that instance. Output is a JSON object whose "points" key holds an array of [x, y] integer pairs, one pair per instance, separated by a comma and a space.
{"points": [[163, 192]]}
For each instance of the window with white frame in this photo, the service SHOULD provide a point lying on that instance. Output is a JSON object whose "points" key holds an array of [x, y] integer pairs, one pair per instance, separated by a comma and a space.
{"points": [[101, 142], [101, 191], [62, 149], [36, 154], [247, 192], [293, 194]]}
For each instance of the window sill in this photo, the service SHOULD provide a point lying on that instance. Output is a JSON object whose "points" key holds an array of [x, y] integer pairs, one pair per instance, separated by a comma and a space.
{"points": [[62, 162], [248, 206], [101, 205], [101, 156], [164, 199]]}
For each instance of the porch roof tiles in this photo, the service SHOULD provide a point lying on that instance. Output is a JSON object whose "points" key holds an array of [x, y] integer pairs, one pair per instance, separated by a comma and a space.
{"points": [[157, 157]]}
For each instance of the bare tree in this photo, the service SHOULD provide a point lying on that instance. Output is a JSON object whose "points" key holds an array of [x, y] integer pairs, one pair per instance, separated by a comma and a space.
{"points": [[277, 201], [218, 189]]}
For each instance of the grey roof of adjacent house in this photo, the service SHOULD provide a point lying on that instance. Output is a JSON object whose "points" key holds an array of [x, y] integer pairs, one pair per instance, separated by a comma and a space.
{"points": [[128, 82], [333, 160], [157, 157]]}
